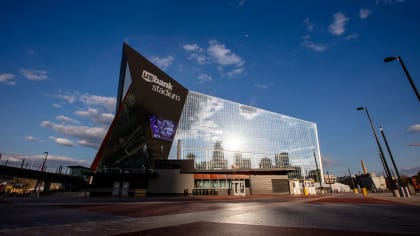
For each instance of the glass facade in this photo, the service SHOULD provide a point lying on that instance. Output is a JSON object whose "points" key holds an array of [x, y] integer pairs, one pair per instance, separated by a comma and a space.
{"points": [[220, 134], [158, 119]]}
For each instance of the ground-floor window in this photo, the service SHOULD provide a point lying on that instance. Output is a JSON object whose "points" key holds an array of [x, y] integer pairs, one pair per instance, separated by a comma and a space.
{"points": [[216, 183]]}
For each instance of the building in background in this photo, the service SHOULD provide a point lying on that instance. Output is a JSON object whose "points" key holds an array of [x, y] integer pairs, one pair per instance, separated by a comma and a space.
{"points": [[176, 140]]}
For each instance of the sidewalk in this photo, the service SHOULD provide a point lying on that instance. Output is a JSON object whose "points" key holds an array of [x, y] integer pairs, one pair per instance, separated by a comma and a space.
{"points": [[325, 215], [412, 200]]}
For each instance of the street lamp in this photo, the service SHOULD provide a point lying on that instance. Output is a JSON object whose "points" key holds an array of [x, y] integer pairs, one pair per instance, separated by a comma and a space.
{"points": [[317, 173], [398, 58], [392, 158], [43, 163], [42, 169], [381, 153]]}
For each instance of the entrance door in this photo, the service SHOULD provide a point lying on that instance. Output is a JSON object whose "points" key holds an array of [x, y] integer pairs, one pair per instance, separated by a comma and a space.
{"points": [[238, 188], [116, 189]]}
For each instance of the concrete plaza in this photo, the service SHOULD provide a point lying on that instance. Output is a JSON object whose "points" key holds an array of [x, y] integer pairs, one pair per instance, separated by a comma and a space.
{"points": [[337, 214]]}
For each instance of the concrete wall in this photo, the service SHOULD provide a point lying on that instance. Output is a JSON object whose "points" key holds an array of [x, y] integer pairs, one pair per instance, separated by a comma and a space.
{"points": [[171, 181], [261, 184]]}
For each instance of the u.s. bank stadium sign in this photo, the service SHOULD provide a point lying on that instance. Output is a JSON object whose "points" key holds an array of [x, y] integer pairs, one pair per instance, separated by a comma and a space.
{"points": [[160, 86]]}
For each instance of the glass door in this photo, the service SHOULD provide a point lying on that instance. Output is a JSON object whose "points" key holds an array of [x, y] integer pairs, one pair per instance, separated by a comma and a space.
{"points": [[238, 188]]}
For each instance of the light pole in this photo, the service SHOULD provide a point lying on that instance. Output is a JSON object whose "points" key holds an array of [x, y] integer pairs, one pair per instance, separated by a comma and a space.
{"points": [[398, 58], [352, 181], [43, 163], [42, 169], [317, 173], [392, 158], [381, 153], [330, 181]]}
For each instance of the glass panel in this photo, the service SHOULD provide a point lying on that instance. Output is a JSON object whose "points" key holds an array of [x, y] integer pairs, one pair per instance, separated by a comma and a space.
{"points": [[126, 148], [127, 80], [220, 134]]}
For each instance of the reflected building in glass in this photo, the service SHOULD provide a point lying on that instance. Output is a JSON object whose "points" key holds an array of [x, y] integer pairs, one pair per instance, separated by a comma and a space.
{"points": [[224, 143], [221, 134]]}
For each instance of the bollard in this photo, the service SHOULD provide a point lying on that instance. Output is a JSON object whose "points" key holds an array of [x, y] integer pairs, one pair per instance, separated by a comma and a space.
{"points": [[407, 191], [396, 193], [355, 190], [305, 192], [364, 191]]}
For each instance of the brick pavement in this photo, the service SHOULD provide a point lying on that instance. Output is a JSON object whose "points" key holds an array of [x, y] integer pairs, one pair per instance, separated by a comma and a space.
{"points": [[216, 215], [213, 228]]}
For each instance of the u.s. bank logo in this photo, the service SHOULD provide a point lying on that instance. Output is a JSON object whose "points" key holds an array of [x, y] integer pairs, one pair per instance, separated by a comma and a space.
{"points": [[151, 78], [160, 86]]}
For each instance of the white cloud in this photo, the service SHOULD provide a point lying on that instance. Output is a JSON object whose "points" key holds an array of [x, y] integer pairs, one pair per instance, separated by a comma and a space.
{"points": [[414, 128], [97, 110], [34, 75], [201, 119], [107, 103], [32, 138], [196, 53], [217, 53], [241, 3], [8, 78], [202, 78], [93, 100], [69, 98], [87, 143], [262, 85], [96, 116], [191, 47], [409, 170], [67, 119], [163, 62], [317, 47], [222, 55], [337, 27], [225, 58], [249, 112], [352, 36], [235, 71], [35, 161], [309, 25], [364, 13], [81, 132], [62, 141], [55, 105]]}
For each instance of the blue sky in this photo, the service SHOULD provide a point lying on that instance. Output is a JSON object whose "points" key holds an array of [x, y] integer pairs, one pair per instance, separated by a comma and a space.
{"points": [[313, 60]]}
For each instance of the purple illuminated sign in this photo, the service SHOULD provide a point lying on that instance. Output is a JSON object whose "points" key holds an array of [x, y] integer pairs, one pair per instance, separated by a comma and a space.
{"points": [[161, 128]]}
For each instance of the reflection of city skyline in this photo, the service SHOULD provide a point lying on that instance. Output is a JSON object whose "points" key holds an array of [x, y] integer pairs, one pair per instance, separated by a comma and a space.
{"points": [[253, 132]]}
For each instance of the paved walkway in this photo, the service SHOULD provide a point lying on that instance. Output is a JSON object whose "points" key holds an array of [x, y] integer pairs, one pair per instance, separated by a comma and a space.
{"points": [[338, 214]]}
